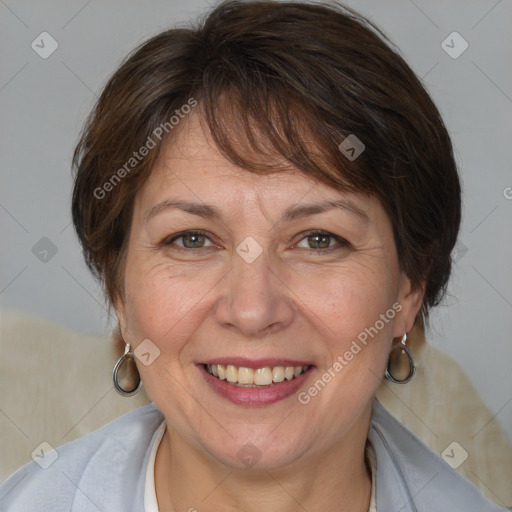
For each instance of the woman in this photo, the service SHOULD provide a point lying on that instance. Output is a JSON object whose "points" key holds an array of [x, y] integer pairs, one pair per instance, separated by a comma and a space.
{"points": [[270, 201]]}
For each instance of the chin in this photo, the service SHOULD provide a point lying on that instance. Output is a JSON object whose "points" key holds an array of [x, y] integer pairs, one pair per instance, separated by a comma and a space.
{"points": [[256, 452]]}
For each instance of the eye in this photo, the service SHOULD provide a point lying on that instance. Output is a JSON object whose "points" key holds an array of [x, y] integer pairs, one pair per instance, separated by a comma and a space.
{"points": [[322, 240], [317, 241], [190, 240]]}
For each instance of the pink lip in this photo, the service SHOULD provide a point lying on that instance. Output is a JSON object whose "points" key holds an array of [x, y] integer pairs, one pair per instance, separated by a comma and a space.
{"points": [[256, 363], [255, 396]]}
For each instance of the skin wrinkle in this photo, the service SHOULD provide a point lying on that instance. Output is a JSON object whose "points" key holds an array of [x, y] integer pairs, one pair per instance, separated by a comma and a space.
{"points": [[286, 303]]}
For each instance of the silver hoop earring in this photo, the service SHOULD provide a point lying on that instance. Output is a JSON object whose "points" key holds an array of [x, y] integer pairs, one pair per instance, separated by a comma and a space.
{"points": [[128, 382], [400, 359]]}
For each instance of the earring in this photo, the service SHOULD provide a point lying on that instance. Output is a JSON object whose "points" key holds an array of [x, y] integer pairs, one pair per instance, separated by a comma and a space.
{"points": [[128, 382], [400, 359]]}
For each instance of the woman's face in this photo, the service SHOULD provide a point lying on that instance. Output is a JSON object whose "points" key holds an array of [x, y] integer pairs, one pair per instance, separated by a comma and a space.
{"points": [[269, 282]]}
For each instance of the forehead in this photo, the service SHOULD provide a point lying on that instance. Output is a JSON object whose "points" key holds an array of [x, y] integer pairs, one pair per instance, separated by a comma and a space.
{"points": [[190, 164], [192, 176], [192, 153]]}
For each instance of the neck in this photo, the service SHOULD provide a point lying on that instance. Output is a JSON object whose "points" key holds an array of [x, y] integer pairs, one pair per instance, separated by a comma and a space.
{"points": [[336, 479]]}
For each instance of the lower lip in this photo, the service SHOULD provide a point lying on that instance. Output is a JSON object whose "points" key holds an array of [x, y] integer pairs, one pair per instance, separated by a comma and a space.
{"points": [[255, 396]]}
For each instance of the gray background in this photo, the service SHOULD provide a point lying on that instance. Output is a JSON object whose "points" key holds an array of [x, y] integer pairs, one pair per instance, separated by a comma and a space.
{"points": [[44, 102]]}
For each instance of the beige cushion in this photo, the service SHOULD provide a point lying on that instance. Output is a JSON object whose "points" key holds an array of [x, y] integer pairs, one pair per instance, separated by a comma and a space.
{"points": [[441, 407], [56, 386]]}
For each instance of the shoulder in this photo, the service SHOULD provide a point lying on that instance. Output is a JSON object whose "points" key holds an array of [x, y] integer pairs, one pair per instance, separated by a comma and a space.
{"points": [[97, 469], [411, 475]]}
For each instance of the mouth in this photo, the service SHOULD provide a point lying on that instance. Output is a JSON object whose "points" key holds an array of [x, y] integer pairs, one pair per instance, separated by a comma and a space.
{"points": [[265, 376], [255, 383]]}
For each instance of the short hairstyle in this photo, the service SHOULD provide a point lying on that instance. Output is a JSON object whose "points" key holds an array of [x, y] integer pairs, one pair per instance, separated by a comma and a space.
{"points": [[275, 81]]}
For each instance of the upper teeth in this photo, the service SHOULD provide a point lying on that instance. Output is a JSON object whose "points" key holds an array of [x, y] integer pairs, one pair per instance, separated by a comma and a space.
{"points": [[259, 377]]}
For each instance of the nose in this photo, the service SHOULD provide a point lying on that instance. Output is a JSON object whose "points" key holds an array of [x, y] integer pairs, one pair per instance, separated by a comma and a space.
{"points": [[255, 299]]}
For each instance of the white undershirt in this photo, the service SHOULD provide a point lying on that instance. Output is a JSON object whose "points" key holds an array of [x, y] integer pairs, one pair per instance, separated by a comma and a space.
{"points": [[373, 465], [151, 503]]}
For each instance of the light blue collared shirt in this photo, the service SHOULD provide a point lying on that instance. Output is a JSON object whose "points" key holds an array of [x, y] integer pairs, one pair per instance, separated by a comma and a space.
{"points": [[106, 469]]}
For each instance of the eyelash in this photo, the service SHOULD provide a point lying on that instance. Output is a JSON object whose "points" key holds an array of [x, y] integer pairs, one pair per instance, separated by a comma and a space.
{"points": [[341, 241]]}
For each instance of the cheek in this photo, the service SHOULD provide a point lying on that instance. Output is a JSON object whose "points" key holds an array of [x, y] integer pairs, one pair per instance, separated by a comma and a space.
{"points": [[164, 302], [354, 310], [163, 305], [349, 299]]}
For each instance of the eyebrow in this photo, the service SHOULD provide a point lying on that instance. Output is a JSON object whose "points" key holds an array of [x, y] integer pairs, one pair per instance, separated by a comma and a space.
{"points": [[300, 211]]}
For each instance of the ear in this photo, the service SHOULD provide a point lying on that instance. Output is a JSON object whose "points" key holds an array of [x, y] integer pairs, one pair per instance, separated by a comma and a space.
{"points": [[411, 299], [120, 310]]}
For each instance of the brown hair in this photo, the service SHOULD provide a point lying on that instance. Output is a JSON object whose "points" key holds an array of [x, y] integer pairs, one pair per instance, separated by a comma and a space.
{"points": [[284, 80]]}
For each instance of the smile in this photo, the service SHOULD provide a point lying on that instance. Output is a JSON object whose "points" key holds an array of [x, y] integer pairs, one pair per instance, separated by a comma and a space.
{"points": [[258, 377], [256, 383]]}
